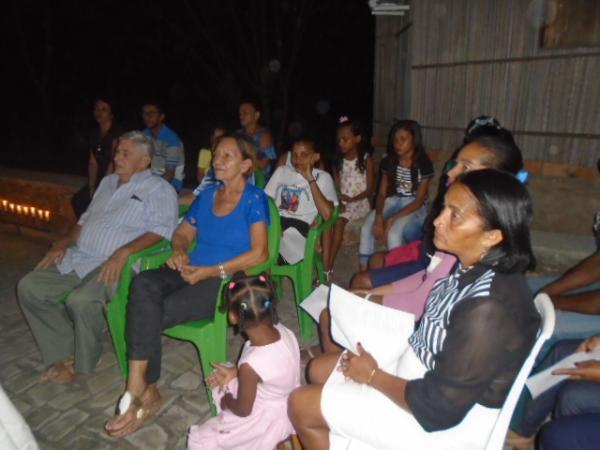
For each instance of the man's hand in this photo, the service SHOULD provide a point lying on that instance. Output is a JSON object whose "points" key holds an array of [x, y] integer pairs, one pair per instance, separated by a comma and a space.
{"points": [[178, 259], [53, 256], [584, 370], [193, 274], [110, 271]]}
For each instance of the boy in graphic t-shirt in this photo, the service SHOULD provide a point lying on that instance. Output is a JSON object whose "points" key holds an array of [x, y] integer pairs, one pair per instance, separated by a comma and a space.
{"points": [[302, 191]]}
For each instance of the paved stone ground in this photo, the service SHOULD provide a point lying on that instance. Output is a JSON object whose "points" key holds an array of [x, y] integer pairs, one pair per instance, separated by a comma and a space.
{"points": [[72, 417]]}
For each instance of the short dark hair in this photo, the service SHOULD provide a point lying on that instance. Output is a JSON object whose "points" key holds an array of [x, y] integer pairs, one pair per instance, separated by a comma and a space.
{"points": [[105, 99], [154, 102], [506, 154], [251, 101], [250, 299], [503, 204]]}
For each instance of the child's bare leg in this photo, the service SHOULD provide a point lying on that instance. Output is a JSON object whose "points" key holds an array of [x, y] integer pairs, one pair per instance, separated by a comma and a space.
{"points": [[325, 332], [377, 260], [338, 237]]}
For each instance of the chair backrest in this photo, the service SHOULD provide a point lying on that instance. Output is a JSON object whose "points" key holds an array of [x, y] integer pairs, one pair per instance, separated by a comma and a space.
{"points": [[498, 433]]}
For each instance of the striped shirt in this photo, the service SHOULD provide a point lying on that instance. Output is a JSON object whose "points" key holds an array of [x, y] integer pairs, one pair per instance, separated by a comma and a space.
{"points": [[168, 152], [477, 329], [117, 216], [428, 339], [401, 177]]}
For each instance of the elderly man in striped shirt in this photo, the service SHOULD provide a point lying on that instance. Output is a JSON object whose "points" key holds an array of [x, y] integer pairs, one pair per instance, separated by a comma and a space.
{"points": [[64, 297]]}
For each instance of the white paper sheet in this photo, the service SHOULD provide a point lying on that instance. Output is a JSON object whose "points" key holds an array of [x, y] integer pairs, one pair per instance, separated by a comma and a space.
{"points": [[542, 381], [292, 246], [382, 331], [316, 302]]}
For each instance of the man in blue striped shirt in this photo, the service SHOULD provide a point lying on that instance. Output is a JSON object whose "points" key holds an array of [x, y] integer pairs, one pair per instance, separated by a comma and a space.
{"points": [[168, 159], [63, 298]]}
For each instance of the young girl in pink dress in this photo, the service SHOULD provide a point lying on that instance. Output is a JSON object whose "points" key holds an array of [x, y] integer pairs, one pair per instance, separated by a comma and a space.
{"points": [[353, 177], [252, 397]]}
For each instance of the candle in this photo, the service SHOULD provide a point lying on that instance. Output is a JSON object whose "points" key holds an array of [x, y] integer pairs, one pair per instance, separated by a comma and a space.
{"points": [[26, 210], [41, 213], [11, 206], [5, 205], [33, 209], [19, 209], [47, 214]]}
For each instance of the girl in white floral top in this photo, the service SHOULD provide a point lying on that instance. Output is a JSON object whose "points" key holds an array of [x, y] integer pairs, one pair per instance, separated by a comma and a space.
{"points": [[354, 178]]}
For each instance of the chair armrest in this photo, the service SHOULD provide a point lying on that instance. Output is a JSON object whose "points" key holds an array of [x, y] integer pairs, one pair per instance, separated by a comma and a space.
{"points": [[316, 231]]}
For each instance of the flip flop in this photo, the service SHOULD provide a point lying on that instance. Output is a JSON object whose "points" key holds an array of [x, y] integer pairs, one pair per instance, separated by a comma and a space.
{"points": [[138, 413]]}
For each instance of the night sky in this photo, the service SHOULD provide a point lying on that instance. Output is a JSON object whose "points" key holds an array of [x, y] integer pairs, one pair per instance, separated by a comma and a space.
{"points": [[306, 61]]}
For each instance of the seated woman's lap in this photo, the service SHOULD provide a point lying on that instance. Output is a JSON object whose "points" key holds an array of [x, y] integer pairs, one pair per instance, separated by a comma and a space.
{"points": [[161, 298]]}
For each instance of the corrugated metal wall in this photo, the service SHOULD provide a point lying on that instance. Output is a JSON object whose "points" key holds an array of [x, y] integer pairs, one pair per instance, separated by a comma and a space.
{"points": [[473, 57]]}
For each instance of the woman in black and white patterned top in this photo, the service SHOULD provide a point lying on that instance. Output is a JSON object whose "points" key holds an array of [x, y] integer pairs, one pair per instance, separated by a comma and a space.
{"points": [[478, 327]]}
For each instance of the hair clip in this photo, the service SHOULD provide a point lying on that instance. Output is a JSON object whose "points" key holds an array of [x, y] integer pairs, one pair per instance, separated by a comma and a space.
{"points": [[262, 278], [231, 285], [267, 303], [243, 306], [343, 119]]}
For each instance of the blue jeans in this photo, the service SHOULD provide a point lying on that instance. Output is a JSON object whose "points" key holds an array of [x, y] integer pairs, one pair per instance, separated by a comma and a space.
{"points": [[568, 398], [572, 433], [402, 230], [569, 325]]}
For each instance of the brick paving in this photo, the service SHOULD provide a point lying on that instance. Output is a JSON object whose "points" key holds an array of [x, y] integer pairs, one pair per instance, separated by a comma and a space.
{"points": [[72, 417]]}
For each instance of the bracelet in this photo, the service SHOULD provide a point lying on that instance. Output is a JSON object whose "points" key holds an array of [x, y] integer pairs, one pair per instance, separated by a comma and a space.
{"points": [[222, 272], [371, 376]]}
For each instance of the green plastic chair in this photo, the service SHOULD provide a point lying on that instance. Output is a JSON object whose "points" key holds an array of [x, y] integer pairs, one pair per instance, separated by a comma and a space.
{"points": [[116, 308], [302, 274], [209, 336], [259, 179], [183, 209]]}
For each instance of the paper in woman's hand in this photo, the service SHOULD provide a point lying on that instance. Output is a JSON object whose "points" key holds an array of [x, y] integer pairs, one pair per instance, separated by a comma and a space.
{"points": [[382, 331], [544, 380]]}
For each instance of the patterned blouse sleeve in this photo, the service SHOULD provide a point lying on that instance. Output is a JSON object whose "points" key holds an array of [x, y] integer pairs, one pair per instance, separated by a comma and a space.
{"points": [[474, 352], [258, 207]]}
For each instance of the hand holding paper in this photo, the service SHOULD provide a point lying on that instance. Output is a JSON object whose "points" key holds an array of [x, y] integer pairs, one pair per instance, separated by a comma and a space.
{"points": [[588, 370], [564, 369], [382, 331]]}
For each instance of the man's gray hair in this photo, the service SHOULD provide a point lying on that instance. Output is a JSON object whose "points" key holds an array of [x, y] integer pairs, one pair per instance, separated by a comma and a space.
{"points": [[140, 141]]}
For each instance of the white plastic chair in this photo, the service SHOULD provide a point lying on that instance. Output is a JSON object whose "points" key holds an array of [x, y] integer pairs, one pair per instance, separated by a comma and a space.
{"points": [[498, 434]]}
